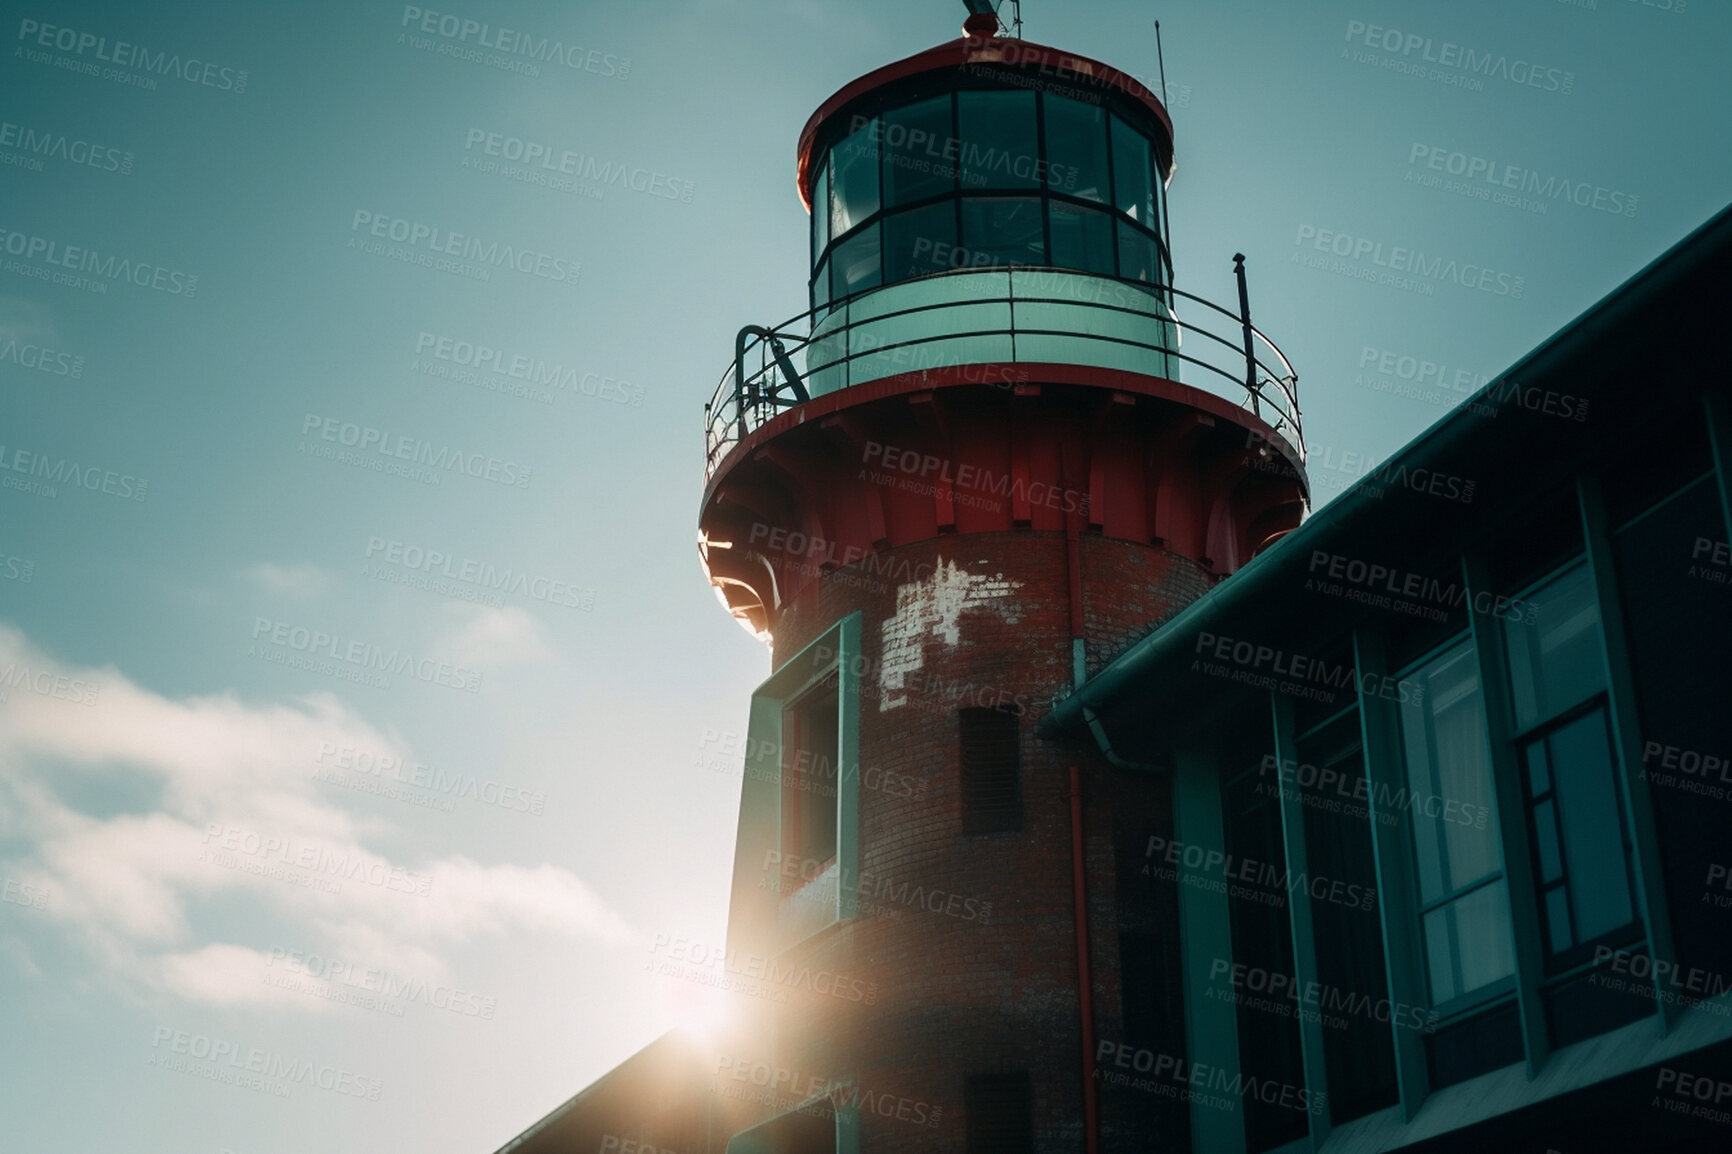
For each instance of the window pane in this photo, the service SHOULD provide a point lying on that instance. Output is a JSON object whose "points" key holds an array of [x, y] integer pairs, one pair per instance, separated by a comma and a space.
{"points": [[1449, 775], [1139, 259], [810, 747], [1133, 180], [1558, 920], [1546, 837], [1082, 238], [1593, 831], [1002, 230], [854, 172], [821, 210], [999, 145], [1467, 943], [854, 264], [1539, 779], [1076, 148], [821, 287], [1555, 662], [919, 152], [920, 241]]}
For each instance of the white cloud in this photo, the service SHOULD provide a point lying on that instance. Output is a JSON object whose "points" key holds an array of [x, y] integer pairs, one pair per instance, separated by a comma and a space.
{"points": [[219, 772], [298, 581], [489, 638]]}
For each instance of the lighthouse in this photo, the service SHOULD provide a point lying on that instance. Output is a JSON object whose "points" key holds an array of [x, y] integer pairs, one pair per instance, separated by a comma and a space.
{"points": [[999, 446]]}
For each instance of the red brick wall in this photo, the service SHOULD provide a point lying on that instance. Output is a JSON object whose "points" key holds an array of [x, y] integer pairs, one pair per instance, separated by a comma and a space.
{"points": [[989, 982]]}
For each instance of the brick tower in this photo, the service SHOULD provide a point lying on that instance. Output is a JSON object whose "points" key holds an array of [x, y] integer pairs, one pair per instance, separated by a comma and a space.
{"points": [[998, 446]]}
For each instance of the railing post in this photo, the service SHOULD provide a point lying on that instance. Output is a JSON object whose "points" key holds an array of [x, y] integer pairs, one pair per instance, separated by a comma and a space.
{"points": [[1245, 321], [740, 379]]}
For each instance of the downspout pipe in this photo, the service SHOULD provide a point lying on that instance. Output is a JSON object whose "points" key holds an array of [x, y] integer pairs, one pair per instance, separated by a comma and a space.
{"points": [[1084, 975]]}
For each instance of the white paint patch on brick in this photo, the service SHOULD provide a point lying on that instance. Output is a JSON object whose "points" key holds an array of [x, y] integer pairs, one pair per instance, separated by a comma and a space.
{"points": [[934, 607]]}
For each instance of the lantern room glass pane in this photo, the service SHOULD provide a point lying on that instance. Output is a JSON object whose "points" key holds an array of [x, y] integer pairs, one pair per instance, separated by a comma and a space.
{"points": [[1082, 238], [920, 152], [821, 210], [1076, 148], [854, 265], [1133, 174], [999, 144], [1003, 231], [920, 241], [1139, 255], [854, 173]]}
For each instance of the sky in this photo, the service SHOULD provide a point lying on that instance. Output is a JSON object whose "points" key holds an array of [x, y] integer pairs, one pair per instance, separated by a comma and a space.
{"points": [[262, 895]]}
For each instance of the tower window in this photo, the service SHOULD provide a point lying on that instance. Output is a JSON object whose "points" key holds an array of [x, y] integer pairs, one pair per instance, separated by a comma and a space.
{"points": [[991, 771], [810, 756], [999, 1115]]}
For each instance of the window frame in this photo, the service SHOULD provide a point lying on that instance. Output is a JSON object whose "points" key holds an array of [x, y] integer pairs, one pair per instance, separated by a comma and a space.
{"points": [[1486, 997], [1560, 966]]}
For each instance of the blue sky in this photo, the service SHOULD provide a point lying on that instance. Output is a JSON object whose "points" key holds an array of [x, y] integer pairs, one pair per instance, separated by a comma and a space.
{"points": [[191, 728]]}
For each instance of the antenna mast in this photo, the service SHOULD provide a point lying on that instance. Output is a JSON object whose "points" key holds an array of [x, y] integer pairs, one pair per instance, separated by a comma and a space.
{"points": [[1161, 57], [1015, 17]]}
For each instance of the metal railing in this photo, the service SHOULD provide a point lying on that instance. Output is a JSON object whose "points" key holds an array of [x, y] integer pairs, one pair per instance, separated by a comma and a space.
{"points": [[776, 369]]}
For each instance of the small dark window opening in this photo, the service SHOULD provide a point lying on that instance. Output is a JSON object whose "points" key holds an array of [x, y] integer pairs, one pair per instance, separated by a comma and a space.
{"points": [[810, 745], [998, 1110], [991, 771]]}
